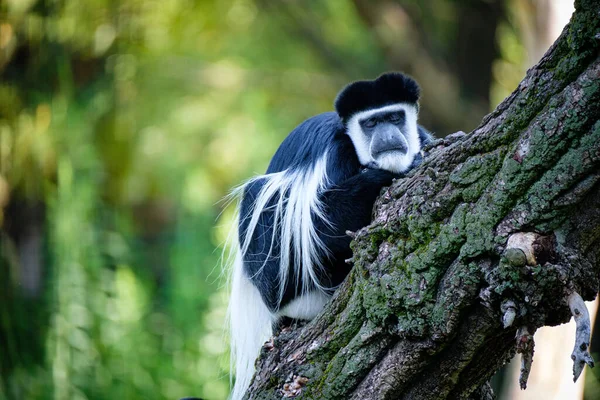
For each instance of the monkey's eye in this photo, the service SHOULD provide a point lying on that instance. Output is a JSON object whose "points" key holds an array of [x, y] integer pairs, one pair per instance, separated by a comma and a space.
{"points": [[369, 123]]}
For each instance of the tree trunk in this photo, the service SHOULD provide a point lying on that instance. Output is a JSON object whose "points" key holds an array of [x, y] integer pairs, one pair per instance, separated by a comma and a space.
{"points": [[496, 228]]}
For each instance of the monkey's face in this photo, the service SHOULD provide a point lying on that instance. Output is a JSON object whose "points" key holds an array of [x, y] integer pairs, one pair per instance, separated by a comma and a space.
{"points": [[386, 138]]}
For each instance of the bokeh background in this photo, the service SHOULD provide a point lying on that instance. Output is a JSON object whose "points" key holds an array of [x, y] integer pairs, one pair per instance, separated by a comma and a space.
{"points": [[124, 122]]}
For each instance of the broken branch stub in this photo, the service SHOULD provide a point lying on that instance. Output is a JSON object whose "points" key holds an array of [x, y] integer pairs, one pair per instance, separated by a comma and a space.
{"points": [[525, 345], [535, 248], [509, 312], [581, 353]]}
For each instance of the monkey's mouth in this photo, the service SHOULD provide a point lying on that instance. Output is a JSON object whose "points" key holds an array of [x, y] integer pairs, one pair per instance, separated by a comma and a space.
{"points": [[399, 151], [398, 154], [394, 160]]}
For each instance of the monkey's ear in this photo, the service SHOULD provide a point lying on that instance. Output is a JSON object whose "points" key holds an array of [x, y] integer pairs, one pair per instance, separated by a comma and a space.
{"points": [[389, 88]]}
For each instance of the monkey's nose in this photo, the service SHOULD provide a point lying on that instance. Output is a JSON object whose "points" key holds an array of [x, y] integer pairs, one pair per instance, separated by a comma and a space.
{"points": [[388, 140]]}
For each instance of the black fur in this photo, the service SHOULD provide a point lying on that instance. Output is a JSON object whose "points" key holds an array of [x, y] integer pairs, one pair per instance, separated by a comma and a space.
{"points": [[348, 202], [389, 88], [348, 199]]}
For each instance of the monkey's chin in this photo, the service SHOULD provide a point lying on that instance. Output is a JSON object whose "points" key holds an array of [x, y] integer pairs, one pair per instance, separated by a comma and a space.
{"points": [[394, 161]]}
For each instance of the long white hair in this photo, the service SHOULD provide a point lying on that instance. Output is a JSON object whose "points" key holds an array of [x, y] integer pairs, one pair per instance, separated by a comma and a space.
{"points": [[293, 198]]}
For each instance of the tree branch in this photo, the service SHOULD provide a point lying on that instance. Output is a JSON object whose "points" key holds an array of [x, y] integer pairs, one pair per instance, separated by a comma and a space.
{"points": [[422, 314]]}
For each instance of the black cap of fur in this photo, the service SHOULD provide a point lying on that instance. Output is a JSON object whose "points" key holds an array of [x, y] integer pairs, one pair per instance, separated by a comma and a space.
{"points": [[389, 88]]}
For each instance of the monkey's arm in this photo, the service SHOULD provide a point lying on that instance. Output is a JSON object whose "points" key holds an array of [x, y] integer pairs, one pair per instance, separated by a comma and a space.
{"points": [[348, 207]]}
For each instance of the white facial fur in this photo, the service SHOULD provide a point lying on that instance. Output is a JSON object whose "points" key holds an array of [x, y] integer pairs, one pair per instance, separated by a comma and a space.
{"points": [[393, 162]]}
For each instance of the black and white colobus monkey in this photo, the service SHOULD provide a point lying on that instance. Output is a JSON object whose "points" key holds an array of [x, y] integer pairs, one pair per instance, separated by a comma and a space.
{"points": [[321, 182]]}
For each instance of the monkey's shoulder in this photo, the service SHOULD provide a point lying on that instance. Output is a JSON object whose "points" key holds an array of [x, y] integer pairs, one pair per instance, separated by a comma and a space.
{"points": [[320, 136]]}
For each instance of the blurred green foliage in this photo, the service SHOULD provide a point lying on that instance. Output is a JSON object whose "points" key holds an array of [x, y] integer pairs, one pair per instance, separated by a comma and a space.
{"points": [[122, 125]]}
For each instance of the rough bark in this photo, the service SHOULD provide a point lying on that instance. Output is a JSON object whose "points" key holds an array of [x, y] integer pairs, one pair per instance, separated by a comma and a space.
{"points": [[422, 314]]}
